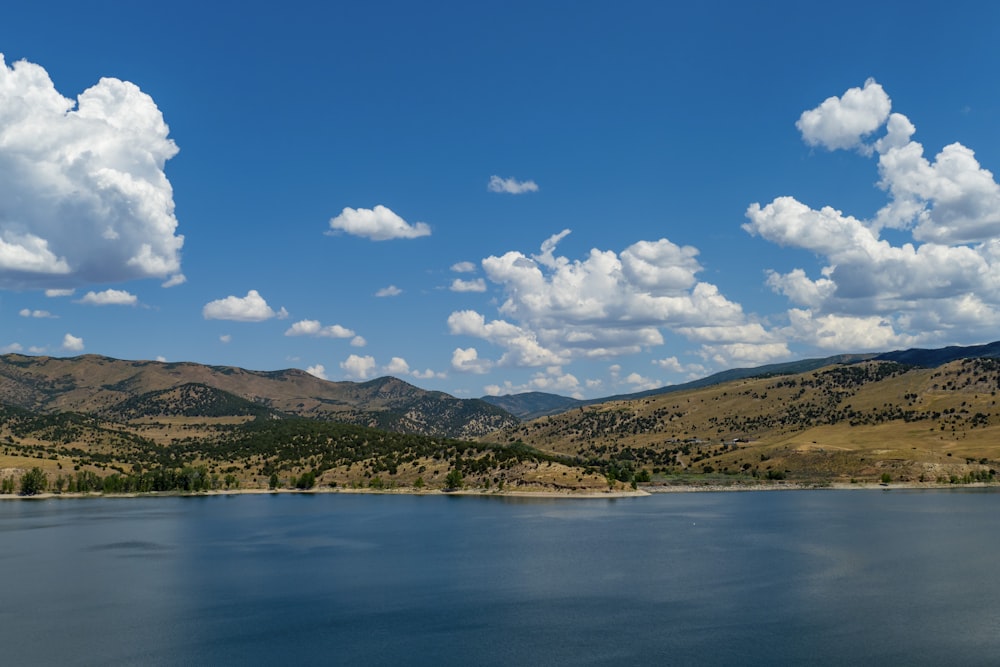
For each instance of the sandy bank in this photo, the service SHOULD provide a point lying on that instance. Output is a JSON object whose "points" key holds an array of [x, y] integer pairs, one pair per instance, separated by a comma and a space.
{"points": [[648, 490]]}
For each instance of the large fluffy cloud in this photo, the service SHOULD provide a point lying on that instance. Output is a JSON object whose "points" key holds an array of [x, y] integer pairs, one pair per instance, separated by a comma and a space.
{"points": [[557, 310], [83, 195], [941, 286], [378, 224]]}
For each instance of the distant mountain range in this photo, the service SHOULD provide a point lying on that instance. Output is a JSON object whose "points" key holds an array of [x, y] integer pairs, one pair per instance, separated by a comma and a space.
{"points": [[123, 390]]}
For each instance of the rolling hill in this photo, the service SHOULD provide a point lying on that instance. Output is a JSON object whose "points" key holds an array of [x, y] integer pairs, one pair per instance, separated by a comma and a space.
{"points": [[117, 389], [843, 421]]}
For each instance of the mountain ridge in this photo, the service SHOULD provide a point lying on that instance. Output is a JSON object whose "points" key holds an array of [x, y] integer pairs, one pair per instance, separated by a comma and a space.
{"points": [[98, 385], [532, 405]]}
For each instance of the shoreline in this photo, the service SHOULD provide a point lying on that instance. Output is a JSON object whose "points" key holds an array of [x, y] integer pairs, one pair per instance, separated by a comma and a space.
{"points": [[646, 491]]}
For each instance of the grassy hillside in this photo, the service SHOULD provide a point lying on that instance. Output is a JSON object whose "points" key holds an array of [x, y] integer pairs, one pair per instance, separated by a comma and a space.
{"points": [[870, 421], [855, 421], [85, 453]]}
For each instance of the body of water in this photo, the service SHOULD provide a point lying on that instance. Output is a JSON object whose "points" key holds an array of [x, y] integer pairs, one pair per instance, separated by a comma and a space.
{"points": [[803, 577]]}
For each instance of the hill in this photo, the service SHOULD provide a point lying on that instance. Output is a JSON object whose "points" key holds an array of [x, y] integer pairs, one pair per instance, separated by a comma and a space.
{"points": [[117, 389], [930, 358], [531, 405], [859, 420], [534, 404], [94, 422]]}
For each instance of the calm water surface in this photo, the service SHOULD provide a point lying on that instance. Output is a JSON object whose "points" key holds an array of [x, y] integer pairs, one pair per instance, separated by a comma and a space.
{"points": [[803, 577]]}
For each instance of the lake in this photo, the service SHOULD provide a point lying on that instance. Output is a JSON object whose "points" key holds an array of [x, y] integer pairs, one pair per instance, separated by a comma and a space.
{"points": [[752, 578]]}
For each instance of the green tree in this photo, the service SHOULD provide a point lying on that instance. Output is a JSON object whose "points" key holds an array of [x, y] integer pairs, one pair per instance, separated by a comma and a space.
{"points": [[453, 480], [306, 481], [273, 482], [33, 482], [886, 478]]}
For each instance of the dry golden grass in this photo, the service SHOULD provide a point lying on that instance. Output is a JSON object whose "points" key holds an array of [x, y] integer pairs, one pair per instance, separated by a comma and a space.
{"points": [[940, 421]]}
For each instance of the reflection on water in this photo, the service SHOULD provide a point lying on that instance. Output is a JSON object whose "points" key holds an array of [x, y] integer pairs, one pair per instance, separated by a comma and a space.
{"points": [[822, 577]]}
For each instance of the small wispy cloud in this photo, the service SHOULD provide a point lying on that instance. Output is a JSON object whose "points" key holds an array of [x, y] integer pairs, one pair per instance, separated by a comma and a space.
{"points": [[477, 285], [511, 186], [41, 314], [391, 290]]}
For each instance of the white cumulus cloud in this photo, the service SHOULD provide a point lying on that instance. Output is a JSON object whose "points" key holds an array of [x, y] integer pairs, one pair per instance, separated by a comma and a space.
{"points": [[377, 224], [110, 297], [842, 122], [674, 365], [317, 371], [72, 343], [397, 366], [551, 379], [251, 308], [468, 361], [83, 193], [314, 328], [357, 367]]}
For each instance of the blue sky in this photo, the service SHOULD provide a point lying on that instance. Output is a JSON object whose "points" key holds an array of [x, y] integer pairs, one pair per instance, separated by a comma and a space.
{"points": [[584, 198]]}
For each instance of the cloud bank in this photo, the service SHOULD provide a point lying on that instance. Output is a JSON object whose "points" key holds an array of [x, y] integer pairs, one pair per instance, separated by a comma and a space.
{"points": [[556, 310], [941, 286]]}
